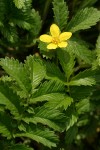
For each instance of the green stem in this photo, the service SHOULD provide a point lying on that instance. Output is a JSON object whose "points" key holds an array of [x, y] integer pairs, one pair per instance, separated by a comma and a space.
{"points": [[46, 9]]}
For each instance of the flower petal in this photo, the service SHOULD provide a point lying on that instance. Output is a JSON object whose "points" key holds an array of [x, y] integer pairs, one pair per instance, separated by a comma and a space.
{"points": [[45, 38], [52, 46], [62, 44], [65, 35], [54, 30]]}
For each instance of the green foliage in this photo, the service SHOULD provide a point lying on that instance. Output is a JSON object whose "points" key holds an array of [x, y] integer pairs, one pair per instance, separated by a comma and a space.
{"points": [[84, 19], [61, 12], [80, 49], [20, 147], [49, 99], [19, 3], [21, 17]]}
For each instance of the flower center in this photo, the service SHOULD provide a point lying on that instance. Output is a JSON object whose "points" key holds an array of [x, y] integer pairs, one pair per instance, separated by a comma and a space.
{"points": [[55, 40]]}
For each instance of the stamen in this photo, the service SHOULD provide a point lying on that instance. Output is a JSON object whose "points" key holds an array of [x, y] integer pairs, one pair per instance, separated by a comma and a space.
{"points": [[55, 40]]}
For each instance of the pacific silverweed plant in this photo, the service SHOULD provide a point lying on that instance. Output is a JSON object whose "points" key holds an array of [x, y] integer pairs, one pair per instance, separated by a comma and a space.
{"points": [[50, 75]]}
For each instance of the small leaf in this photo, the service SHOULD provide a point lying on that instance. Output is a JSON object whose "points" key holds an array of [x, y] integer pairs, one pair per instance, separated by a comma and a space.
{"points": [[67, 62], [71, 121], [6, 127], [83, 106], [60, 13], [71, 134], [85, 81], [35, 70], [58, 103], [53, 72], [19, 3]]}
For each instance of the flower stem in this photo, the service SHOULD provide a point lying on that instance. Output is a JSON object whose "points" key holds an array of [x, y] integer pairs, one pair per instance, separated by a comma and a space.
{"points": [[46, 9]]}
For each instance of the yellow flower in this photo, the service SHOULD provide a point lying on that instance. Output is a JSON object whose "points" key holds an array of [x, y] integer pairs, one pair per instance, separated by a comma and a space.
{"points": [[56, 39]]}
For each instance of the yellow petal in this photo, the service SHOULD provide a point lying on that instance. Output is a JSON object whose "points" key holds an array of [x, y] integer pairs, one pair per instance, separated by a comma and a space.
{"points": [[54, 30], [65, 35], [62, 44], [45, 38], [52, 46]]}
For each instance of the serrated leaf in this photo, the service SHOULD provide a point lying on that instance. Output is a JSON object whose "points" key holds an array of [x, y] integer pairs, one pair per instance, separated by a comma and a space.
{"points": [[46, 116], [35, 21], [84, 19], [49, 87], [47, 97], [61, 13], [58, 103], [83, 106], [10, 100], [85, 81], [10, 33], [86, 78], [67, 62], [35, 70], [44, 136], [79, 48], [53, 72], [5, 125], [17, 72], [81, 92], [19, 3], [71, 134], [71, 121]]}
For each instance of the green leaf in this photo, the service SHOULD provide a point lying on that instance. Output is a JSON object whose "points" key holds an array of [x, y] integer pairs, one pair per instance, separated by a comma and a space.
{"points": [[35, 21], [9, 32], [84, 19], [67, 62], [63, 102], [79, 48], [83, 106], [53, 72], [71, 134], [9, 99], [47, 97], [60, 13], [81, 92], [17, 72], [86, 78], [48, 91], [6, 125], [49, 87], [85, 81], [20, 147], [71, 121], [71, 116], [35, 70], [44, 136], [19, 3], [46, 116]]}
